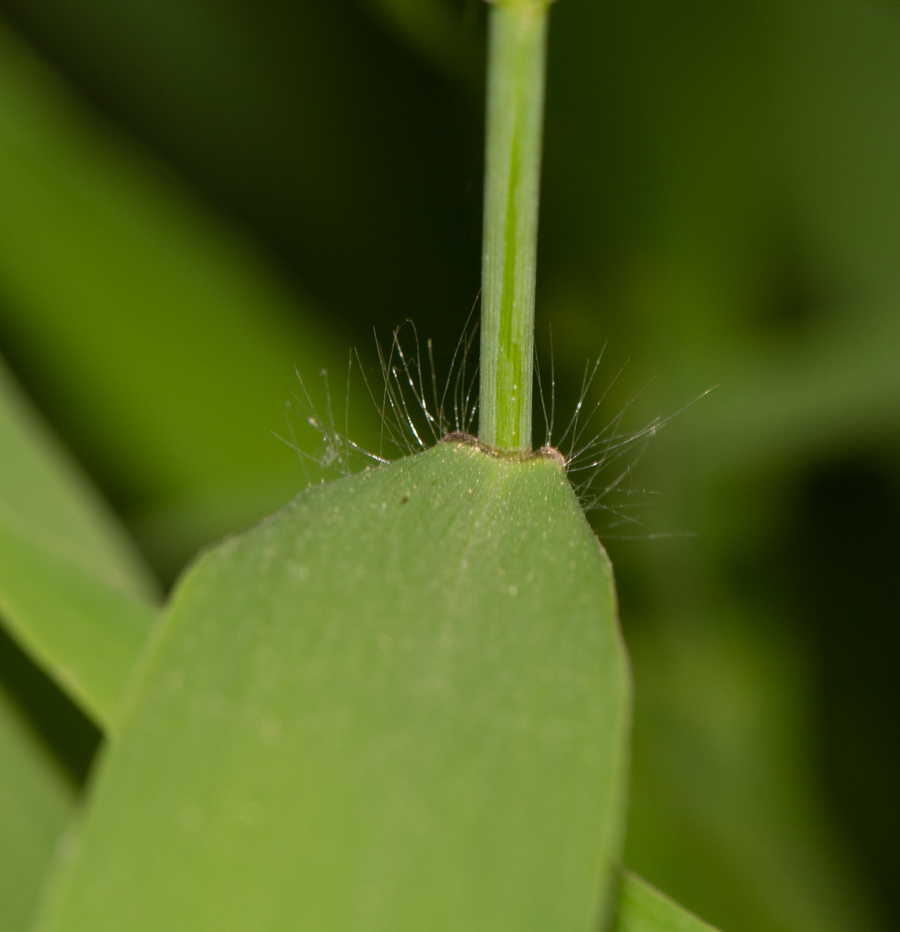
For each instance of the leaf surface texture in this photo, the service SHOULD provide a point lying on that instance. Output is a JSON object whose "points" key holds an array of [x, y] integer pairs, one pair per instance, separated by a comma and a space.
{"points": [[401, 703]]}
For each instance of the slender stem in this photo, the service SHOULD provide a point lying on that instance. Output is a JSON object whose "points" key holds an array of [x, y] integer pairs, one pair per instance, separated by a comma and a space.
{"points": [[515, 114]]}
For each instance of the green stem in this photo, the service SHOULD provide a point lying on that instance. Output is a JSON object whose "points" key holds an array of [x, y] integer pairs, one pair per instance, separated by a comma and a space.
{"points": [[515, 113]]}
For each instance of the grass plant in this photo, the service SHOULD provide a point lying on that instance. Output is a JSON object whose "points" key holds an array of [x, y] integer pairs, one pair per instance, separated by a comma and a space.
{"points": [[403, 701]]}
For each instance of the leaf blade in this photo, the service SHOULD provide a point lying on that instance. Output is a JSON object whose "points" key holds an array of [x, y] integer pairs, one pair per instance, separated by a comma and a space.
{"points": [[643, 908], [403, 700], [43, 494], [73, 591], [83, 632], [36, 801], [146, 281], [42, 486]]}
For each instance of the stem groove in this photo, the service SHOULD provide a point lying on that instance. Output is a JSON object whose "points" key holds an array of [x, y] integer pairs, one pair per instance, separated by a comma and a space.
{"points": [[515, 113]]}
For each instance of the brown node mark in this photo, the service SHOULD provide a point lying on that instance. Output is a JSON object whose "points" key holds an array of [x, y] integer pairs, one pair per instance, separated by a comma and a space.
{"points": [[547, 452]]}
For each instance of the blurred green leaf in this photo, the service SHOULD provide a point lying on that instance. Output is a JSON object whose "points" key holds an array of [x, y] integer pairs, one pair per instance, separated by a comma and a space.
{"points": [[171, 341], [723, 774], [36, 800], [43, 491], [729, 204], [642, 908], [72, 590], [401, 703], [310, 122], [835, 71], [83, 632], [45, 496]]}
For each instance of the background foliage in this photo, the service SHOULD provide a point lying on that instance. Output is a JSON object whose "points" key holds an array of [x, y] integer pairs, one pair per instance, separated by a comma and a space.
{"points": [[195, 197]]}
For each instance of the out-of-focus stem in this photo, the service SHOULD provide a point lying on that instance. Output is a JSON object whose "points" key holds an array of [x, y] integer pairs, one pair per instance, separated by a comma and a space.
{"points": [[515, 115]]}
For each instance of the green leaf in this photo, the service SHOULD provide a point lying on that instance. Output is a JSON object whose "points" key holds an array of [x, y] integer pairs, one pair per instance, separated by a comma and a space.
{"points": [[41, 487], [643, 908], [164, 344], [726, 808], [312, 123], [402, 703], [62, 557], [83, 632], [36, 799], [72, 590]]}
